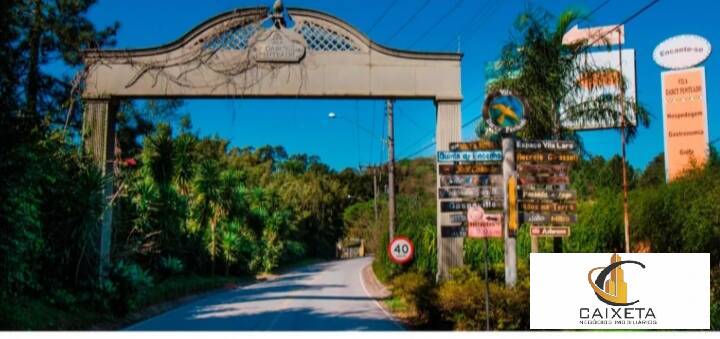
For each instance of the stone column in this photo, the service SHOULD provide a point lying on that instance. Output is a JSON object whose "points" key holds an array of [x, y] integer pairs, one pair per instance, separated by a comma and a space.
{"points": [[99, 142], [447, 129]]}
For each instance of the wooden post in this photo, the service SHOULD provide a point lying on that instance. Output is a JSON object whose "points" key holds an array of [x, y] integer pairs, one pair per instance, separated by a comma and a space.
{"points": [[447, 129], [626, 212], [99, 142]]}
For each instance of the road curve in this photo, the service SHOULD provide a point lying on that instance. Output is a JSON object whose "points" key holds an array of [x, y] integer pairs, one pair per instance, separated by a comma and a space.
{"points": [[327, 296]]}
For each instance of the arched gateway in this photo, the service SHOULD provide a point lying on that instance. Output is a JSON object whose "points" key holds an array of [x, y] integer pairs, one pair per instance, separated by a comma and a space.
{"points": [[258, 53]]}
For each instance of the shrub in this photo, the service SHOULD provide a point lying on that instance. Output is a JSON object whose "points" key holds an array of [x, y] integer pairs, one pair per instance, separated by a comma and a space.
{"points": [[461, 300], [293, 251], [416, 290], [170, 266], [130, 281]]}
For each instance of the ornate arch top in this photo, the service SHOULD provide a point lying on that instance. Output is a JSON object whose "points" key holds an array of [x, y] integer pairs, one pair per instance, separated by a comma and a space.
{"points": [[260, 52]]}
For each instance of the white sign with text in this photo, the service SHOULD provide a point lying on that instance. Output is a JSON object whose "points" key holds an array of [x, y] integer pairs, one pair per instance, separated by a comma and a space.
{"points": [[620, 291]]}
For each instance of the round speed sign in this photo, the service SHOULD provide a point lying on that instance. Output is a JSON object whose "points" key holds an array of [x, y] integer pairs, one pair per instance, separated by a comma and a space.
{"points": [[401, 250]]}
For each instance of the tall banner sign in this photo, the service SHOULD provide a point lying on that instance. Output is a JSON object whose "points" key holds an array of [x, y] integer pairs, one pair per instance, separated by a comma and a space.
{"points": [[685, 120]]}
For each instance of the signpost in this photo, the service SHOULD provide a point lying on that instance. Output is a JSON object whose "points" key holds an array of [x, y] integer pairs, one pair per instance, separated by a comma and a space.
{"points": [[684, 100], [401, 250], [470, 182], [546, 202], [484, 225], [685, 120], [550, 231], [469, 156]]}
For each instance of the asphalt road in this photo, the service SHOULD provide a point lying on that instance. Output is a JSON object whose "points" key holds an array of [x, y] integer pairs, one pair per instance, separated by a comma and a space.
{"points": [[321, 297]]}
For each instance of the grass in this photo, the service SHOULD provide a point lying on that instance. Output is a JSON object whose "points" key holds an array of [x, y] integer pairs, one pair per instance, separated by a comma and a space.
{"points": [[38, 314]]}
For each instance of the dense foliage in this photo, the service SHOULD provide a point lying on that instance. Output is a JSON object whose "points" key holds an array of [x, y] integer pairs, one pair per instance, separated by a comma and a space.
{"points": [[187, 209]]}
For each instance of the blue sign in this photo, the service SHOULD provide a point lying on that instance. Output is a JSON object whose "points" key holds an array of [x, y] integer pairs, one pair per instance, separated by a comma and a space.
{"points": [[444, 156], [503, 111]]}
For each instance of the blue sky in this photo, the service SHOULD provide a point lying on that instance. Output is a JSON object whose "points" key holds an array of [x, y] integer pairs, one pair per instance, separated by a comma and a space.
{"points": [[484, 26]]}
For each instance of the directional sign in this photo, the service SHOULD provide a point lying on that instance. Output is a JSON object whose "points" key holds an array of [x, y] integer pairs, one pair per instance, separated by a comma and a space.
{"points": [[484, 225], [470, 192], [461, 206], [470, 180], [546, 157], [547, 218], [545, 145], [477, 145], [458, 218], [470, 169], [453, 231], [550, 231], [551, 180], [401, 250], [529, 194], [530, 168], [597, 36], [469, 156], [547, 207], [512, 206]]}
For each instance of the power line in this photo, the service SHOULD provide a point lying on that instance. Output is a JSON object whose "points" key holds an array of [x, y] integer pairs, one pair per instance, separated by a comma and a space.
{"points": [[472, 19], [480, 25], [628, 19], [382, 16], [410, 19], [436, 23]]}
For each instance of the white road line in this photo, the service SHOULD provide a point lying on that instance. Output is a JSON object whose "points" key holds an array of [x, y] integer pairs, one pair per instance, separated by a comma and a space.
{"points": [[387, 314]]}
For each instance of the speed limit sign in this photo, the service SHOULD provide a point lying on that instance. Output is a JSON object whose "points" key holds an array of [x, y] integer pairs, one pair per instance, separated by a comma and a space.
{"points": [[401, 250]]}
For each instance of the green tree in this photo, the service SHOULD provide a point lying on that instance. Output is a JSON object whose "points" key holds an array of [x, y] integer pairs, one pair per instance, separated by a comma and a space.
{"points": [[543, 70]]}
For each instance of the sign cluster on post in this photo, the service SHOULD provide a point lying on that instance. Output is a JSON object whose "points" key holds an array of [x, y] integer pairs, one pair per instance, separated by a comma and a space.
{"points": [[546, 201], [471, 190]]}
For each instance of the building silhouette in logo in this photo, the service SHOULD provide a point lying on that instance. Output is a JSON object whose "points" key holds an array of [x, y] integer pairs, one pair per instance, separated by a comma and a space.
{"points": [[613, 290]]}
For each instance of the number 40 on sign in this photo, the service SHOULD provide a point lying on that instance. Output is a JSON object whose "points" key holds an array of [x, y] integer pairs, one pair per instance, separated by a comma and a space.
{"points": [[401, 250]]}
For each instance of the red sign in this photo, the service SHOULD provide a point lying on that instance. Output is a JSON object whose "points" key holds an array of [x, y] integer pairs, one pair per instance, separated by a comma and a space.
{"points": [[401, 250], [550, 231], [483, 225]]}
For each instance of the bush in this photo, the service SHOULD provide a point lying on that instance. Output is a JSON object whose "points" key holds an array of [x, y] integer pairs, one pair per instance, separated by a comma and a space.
{"points": [[293, 251], [129, 280], [170, 266], [416, 290], [461, 300]]}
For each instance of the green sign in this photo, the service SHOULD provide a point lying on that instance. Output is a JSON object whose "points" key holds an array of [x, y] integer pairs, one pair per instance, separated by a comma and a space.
{"points": [[505, 112]]}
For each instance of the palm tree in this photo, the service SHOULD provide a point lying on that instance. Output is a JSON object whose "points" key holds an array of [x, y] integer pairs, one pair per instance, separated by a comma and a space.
{"points": [[544, 70]]}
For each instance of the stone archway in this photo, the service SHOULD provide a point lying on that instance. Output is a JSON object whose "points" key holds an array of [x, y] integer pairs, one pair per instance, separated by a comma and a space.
{"points": [[258, 53]]}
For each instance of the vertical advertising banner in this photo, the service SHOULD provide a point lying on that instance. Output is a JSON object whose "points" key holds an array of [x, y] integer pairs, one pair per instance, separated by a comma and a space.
{"points": [[685, 121]]}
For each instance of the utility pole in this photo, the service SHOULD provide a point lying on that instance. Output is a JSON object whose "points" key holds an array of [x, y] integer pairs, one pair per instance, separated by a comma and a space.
{"points": [[621, 82], [391, 167], [375, 193]]}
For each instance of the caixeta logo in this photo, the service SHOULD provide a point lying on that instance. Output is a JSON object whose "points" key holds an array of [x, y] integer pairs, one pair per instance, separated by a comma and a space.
{"points": [[611, 287]]}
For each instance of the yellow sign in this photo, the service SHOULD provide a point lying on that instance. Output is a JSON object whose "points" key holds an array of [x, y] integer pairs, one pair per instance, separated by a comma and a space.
{"points": [[512, 205], [685, 120]]}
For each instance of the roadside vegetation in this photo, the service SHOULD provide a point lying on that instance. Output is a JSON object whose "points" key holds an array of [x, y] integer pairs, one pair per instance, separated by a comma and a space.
{"points": [[682, 216], [193, 213]]}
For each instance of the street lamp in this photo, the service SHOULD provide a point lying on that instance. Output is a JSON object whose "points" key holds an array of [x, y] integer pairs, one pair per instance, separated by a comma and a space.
{"points": [[391, 165]]}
